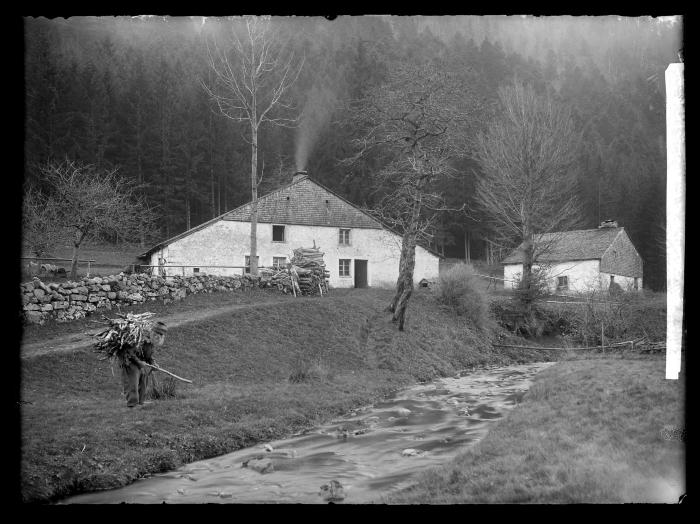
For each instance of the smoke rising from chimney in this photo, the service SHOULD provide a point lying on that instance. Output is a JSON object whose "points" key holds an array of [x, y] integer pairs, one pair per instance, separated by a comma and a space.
{"points": [[320, 104]]}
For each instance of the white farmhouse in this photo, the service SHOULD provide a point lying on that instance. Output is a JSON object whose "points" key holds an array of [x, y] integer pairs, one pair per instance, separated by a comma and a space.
{"points": [[358, 250], [582, 260]]}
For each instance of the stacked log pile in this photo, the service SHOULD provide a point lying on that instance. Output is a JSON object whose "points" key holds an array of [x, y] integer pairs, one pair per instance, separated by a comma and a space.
{"points": [[281, 278], [306, 274], [311, 273]]}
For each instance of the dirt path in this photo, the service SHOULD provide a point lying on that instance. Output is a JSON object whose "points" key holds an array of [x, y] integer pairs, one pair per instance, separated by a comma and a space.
{"points": [[85, 340]]}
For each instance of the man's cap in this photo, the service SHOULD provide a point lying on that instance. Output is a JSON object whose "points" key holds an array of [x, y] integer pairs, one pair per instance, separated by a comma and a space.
{"points": [[160, 328]]}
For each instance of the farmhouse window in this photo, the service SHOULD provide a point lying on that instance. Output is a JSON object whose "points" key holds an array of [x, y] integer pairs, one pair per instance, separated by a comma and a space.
{"points": [[247, 263], [278, 233], [344, 267], [279, 262], [562, 283], [195, 270], [344, 237]]}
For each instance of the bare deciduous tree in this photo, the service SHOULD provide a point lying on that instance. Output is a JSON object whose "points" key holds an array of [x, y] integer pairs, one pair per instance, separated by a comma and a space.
{"points": [[528, 156], [92, 203], [253, 71], [40, 231], [417, 122]]}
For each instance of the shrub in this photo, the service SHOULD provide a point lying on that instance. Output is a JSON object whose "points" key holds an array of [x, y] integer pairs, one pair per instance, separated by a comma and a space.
{"points": [[644, 314], [162, 388], [539, 277], [624, 317], [305, 369], [512, 315], [460, 289]]}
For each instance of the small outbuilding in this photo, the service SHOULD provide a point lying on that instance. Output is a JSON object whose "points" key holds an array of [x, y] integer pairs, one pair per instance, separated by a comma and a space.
{"points": [[359, 251], [582, 260]]}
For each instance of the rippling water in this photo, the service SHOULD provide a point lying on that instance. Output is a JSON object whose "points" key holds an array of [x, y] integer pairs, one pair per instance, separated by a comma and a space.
{"points": [[370, 452]]}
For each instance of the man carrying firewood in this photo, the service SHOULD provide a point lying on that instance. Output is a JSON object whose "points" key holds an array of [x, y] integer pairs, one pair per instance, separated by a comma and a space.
{"points": [[135, 371]]}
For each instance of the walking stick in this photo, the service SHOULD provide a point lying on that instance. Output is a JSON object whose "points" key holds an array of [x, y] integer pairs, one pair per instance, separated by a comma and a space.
{"points": [[168, 372]]}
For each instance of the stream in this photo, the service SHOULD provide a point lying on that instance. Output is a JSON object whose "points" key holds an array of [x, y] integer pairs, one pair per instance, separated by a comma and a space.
{"points": [[357, 458]]}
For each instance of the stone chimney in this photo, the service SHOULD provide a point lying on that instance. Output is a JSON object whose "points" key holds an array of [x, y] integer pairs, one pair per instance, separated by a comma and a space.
{"points": [[299, 175], [607, 223]]}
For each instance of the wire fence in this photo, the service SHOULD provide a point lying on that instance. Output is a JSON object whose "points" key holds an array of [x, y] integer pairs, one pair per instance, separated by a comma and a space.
{"points": [[157, 269], [162, 270], [53, 259]]}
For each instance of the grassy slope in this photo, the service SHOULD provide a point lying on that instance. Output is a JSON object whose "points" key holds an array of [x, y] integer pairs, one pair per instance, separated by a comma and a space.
{"points": [[588, 431], [77, 434]]}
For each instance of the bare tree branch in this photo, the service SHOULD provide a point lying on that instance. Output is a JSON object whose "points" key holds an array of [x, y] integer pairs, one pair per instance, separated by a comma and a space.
{"points": [[253, 74], [416, 122], [528, 156], [86, 203], [40, 230]]}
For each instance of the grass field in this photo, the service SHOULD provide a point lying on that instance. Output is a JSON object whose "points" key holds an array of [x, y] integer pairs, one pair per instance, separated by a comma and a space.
{"points": [[588, 431], [109, 259], [340, 352]]}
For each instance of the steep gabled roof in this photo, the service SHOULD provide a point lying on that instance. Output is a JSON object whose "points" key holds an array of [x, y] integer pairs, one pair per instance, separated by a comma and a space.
{"points": [[305, 203], [582, 244], [302, 202]]}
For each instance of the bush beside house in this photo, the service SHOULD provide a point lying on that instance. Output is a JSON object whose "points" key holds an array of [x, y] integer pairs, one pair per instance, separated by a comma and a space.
{"points": [[460, 288]]}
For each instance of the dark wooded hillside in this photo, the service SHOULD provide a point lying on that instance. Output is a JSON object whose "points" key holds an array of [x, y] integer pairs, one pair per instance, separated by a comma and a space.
{"points": [[126, 92]]}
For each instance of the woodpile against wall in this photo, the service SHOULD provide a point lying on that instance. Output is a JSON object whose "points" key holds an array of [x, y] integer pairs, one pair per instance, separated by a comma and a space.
{"points": [[305, 274], [311, 270]]}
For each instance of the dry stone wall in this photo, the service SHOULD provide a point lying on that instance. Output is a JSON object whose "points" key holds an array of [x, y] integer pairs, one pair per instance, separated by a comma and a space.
{"points": [[68, 301]]}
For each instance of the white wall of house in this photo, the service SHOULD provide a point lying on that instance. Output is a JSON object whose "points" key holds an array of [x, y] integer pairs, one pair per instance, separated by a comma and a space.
{"points": [[626, 283], [583, 275], [226, 243], [511, 275]]}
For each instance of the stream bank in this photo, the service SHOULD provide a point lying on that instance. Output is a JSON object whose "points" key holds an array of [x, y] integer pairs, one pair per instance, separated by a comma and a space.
{"points": [[365, 455]]}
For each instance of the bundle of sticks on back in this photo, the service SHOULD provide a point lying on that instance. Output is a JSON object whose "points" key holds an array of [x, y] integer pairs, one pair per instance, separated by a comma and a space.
{"points": [[131, 330], [127, 331]]}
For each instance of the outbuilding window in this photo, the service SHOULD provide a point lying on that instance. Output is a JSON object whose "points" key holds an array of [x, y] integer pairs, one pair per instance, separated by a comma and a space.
{"points": [[344, 237], [278, 233], [279, 262], [562, 283], [344, 267]]}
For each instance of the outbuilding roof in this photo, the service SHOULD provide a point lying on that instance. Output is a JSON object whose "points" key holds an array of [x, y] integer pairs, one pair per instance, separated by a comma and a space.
{"points": [[582, 244]]}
